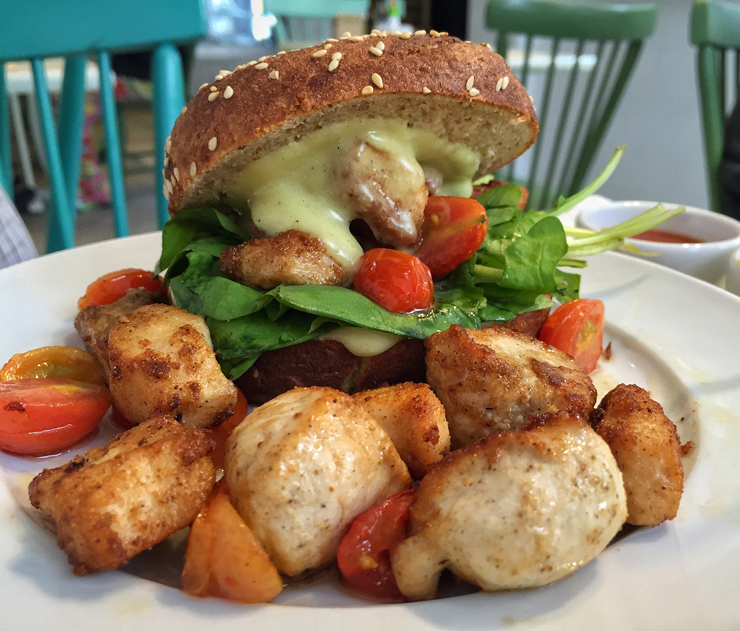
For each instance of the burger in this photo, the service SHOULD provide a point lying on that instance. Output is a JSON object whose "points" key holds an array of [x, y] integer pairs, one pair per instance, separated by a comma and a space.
{"points": [[283, 175]]}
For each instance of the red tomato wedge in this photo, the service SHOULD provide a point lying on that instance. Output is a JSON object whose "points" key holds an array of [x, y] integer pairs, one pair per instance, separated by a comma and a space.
{"points": [[363, 556], [577, 328], [220, 434], [397, 281], [453, 229], [113, 286], [44, 416], [64, 362]]}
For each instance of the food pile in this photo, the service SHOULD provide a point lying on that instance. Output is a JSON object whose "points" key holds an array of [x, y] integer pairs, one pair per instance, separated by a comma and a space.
{"points": [[330, 257]]}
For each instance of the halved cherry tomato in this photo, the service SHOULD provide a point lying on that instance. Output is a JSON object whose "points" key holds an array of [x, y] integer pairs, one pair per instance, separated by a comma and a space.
{"points": [[64, 362], [225, 560], [44, 416], [113, 286], [577, 328], [220, 434], [453, 229], [364, 554], [397, 281]]}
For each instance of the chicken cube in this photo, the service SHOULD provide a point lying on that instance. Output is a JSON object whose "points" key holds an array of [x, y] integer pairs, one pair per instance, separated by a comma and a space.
{"points": [[302, 467], [162, 363], [517, 509], [648, 451], [116, 501], [414, 418], [496, 379]]}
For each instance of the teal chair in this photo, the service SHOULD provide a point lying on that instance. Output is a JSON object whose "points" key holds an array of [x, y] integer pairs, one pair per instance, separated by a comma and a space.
{"points": [[76, 29], [715, 31], [306, 23], [610, 36]]}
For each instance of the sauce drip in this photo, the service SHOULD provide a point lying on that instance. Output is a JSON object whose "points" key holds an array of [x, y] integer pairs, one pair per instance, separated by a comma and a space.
{"points": [[665, 236]]}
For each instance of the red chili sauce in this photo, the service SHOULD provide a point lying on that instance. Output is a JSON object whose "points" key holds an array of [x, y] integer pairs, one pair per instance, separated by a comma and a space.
{"points": [[664, 236]]}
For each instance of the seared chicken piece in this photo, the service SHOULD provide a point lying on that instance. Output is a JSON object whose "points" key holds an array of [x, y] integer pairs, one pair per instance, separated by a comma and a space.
{"points": [[301, 467], [162, 363], [517, 509], [386, 191], [496, 379], [646, 446], [415, 421], [116, 501], [94, 323], [288, 258]]}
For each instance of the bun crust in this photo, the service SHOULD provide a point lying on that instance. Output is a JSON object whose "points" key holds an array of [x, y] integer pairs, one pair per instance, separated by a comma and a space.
{"points": [[426, 80]]}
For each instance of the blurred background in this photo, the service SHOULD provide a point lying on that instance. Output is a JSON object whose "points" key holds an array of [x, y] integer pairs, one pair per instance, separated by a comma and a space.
{"points": [[658, 117]]}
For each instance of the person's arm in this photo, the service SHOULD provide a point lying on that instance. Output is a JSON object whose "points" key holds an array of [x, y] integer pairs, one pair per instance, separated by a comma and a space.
{"points": [[16, 244]]}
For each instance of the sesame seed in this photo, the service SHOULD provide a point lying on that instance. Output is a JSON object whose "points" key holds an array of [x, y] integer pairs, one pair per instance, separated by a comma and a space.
{"points": [[331, 39], [168, 144], [473, 92], [531, 100], [505, 83], [320, 53], [213, 96], [193, 168], [212, 143], [357, 38], [219, 77], [345, 35], [333, 65], [380, 45], [282, 52], [434, 33], [228, 92], [261, 66], [420, 32], [224, 73], [166, 193], [376, 51], [487, 45], [469, 83], [251, 63], [177, 174], [202, 86], [384, 33], [168, 185], [166, 160], [241, 66], [336, 56], [425, 90], [444, 33], [327, 46], [263, 58], [184, 109], [368, 89], [499, 83], [274, 75], [174, 182], [377, 79], [214, 88], [375, 32], [405, 35]]}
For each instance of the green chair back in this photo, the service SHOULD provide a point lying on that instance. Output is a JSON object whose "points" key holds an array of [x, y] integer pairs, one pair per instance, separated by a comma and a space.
{"points": [[76, 29], [715, 31], [301, 23], [604, 42]]}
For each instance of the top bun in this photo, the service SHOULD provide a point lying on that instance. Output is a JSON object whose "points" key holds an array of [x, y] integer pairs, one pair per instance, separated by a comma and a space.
{"points": [[457, 90]]}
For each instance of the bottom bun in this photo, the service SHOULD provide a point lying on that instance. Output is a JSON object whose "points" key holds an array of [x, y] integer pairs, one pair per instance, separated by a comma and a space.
{"points": [[328, 363]]}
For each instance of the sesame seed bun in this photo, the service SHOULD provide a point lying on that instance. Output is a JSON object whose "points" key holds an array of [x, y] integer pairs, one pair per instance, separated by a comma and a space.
{"points": [[459, 91]]}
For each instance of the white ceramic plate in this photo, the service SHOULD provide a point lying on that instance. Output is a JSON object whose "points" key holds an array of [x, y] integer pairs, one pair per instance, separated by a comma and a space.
{"points": [[674, 335]]}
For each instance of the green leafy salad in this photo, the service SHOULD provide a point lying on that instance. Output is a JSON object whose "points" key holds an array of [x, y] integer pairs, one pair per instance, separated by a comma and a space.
{"points": [[517, 269]]}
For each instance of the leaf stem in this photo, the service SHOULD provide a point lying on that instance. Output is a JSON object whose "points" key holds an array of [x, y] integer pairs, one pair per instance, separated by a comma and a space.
{"points": [[485, 274]]}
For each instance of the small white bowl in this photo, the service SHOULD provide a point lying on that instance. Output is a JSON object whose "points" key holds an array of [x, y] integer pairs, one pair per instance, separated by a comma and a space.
{"points": [[709, 260]]}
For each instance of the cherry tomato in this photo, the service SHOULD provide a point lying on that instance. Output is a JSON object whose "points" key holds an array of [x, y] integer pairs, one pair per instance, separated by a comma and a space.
{"points": [[44, 416], [577, 328], [66, 362], [113, 286], [453, 229], [220, 434], [397, 281], [363, 556]]}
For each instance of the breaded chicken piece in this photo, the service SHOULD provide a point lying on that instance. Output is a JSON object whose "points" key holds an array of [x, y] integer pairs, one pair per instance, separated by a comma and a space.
{"points": [[162, 363], [496, 379], [517, 509], [94, 323], [288, 258], [302, 467], [646, 446], [385, 190], [116, 501], [415, 421]]}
